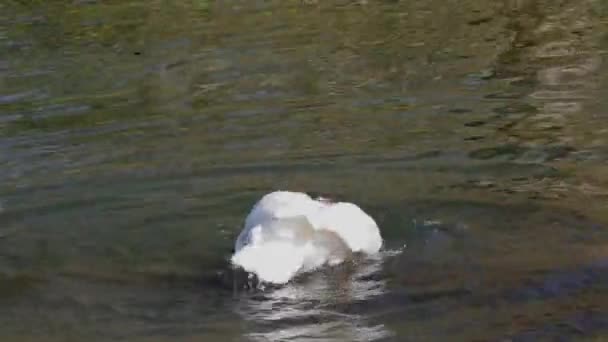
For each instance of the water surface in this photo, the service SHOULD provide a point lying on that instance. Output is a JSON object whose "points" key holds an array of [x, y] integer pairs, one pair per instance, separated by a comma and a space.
{"points": [[136, 135]]}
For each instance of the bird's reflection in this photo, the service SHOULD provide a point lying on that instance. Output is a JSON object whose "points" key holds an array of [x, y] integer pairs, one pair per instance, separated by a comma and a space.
{"points": [[314, 307]]}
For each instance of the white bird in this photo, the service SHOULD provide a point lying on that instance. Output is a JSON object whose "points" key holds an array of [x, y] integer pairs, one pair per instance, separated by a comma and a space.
{"points": [[288, 233]]}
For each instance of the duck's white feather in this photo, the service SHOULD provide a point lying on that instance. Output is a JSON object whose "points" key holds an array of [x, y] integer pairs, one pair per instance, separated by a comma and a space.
{"points": [[288, 233]]}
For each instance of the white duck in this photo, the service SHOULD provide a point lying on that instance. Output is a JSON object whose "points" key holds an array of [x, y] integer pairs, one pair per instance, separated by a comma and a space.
{"points": [[288, 233]]}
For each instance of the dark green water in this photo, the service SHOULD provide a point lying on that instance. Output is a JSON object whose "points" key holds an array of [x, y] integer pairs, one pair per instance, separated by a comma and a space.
{"points": [[136, 135]]}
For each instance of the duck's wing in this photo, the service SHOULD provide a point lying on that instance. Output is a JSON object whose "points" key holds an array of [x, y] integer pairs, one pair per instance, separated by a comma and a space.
{"points": [[358, 230], [277, 250], [297, 229], [333, 247]]}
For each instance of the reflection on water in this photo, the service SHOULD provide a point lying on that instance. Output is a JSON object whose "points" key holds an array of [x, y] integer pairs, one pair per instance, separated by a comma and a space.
{"points": [[311, 308], [135, 136]]}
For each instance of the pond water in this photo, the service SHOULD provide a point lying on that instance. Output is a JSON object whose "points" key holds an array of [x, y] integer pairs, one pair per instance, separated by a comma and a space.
{"points": [[136, 135]]}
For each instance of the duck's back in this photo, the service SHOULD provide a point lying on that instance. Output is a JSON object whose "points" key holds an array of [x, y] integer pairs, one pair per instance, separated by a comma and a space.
{"points": [[274, 206]]}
